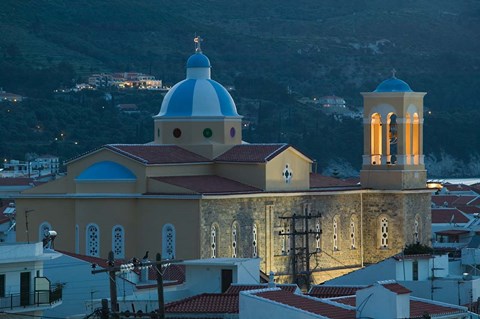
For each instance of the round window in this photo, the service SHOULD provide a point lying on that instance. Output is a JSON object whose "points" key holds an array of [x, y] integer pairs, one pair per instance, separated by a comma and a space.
{"points": [[207, 133], [177, 132]]}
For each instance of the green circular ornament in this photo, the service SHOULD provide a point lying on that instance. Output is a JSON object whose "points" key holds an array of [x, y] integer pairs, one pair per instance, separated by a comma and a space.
{"points": [[207, 133]]}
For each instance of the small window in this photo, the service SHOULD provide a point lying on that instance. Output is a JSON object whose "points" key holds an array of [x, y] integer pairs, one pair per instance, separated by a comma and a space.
{"points": [[335, 234], [168, 241], [213, 241], [234, 240], [254, 242], [353, 244], [317, 236], [384, 233]]}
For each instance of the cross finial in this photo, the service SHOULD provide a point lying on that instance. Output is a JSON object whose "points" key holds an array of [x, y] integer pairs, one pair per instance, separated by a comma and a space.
{"points": [[198, 40], [394, 72]]}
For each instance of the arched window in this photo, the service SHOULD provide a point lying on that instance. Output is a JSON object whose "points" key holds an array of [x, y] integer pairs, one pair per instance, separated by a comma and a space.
{"points": [[416, 139], [317, 235], [376, 139], [118, 241], [408, 139], [353, 244], [43, 229], [213, 241], [416, 230], [392, 139], [168, 241], [284, 240], [254, 242], [92, 240], [234, 240], [383, 232], [335, 233], [77, 240]]}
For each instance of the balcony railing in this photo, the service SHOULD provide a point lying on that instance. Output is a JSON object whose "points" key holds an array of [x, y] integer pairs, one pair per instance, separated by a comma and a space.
{"points": [[39, 298]]}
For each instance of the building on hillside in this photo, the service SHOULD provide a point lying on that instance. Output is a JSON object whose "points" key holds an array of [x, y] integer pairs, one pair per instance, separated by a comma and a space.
{"points": [[10, 97], [199, 191], [331, 101], [24, 290]]}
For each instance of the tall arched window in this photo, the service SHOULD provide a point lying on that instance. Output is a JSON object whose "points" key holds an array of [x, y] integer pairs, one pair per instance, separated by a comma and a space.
{"points": [[77, 239], [408, 139], [168, 241], [213, 241], [376, 139], [416, 139], [383, 232], [416, 230], [353, 244], [335, 233], [284, 240], [254, 241], [317, 236], [92, 240], [234, 240], [392, 139], [118, 241], [43, 229]]}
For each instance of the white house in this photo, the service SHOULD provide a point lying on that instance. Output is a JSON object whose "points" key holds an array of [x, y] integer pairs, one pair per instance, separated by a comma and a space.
{"points": [[24, 290]]}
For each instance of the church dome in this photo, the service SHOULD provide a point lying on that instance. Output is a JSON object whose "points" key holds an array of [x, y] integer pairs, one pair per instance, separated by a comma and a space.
{"points": [[393, 85], [198, 95]]}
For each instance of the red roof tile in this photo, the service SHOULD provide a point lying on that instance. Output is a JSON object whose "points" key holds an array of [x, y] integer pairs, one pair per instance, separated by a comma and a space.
{"points": [[444, 216], [208, 184], [468, 209], [397, 288], [235, 289], [475, 202], [322, 291], [444, 200], [452, 232], [252, 153], [205, 303], [419, 308], [320, 181], [308, 304], [15, 181], [463, 200], [157, 154], [457, 187]]}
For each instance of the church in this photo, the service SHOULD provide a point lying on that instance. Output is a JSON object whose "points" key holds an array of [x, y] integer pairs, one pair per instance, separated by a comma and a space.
{"points": [[199, 191]]}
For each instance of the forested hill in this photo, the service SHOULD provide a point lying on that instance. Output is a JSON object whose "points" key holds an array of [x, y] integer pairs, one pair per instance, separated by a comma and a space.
{"points": [[313, 47]]}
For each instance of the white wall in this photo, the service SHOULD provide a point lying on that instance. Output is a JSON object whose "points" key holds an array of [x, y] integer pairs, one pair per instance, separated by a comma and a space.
{"points": [[253, 307], [384, 270], [79, 283]]}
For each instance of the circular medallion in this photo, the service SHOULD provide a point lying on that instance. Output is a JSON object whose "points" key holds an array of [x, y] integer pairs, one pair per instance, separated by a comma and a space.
{"points": [[207, 133], [177, 132]]}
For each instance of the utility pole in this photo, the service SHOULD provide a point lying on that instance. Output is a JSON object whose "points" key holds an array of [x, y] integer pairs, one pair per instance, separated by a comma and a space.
{"points": [[161, 304], [112, 270], [304, 251]]}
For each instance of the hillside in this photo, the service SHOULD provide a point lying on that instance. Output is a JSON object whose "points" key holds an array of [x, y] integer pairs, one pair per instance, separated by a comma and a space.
{"points": [[313, 47]]}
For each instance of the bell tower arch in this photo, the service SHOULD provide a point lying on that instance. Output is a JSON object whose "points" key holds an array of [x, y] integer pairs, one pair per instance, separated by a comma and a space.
{"points": [[393, 137]]}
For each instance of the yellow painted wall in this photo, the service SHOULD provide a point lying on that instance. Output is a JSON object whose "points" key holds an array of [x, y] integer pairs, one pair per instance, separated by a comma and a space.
{"points": [[298, 165]]}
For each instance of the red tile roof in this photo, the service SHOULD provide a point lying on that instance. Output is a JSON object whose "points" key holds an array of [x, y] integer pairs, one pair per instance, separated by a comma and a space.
{"points": [[419, 308], [252, 153], [101, 262], [320, 181], [397, 288], [452, 232], [475, 202], [308, 304], [444, 216], [444, 200], [205, 303], [208, 184], [457, 187], [157, 154], [235, 289], [463, 200], [16, 181], [323, 291], [467, 209]]}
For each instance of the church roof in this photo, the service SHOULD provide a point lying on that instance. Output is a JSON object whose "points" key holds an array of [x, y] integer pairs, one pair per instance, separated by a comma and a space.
{"points": [[151, 154], [321, 181], [252, 153], [208, 184]]}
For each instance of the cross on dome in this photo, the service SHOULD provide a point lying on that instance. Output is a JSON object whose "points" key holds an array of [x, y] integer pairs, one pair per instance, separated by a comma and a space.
{"points": [[198, 41], [394, 72]]}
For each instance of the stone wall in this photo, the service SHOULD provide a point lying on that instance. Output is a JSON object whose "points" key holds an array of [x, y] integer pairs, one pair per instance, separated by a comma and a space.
{"points": [[400, 209]]}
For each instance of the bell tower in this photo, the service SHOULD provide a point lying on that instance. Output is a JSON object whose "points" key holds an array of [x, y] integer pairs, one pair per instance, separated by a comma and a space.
{"points": [[393, 137]]}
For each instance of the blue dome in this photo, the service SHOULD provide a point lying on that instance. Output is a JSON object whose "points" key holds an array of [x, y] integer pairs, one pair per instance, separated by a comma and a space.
{"points": [[393, 85], [198, 95], [106, 171], [198, 60]]}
